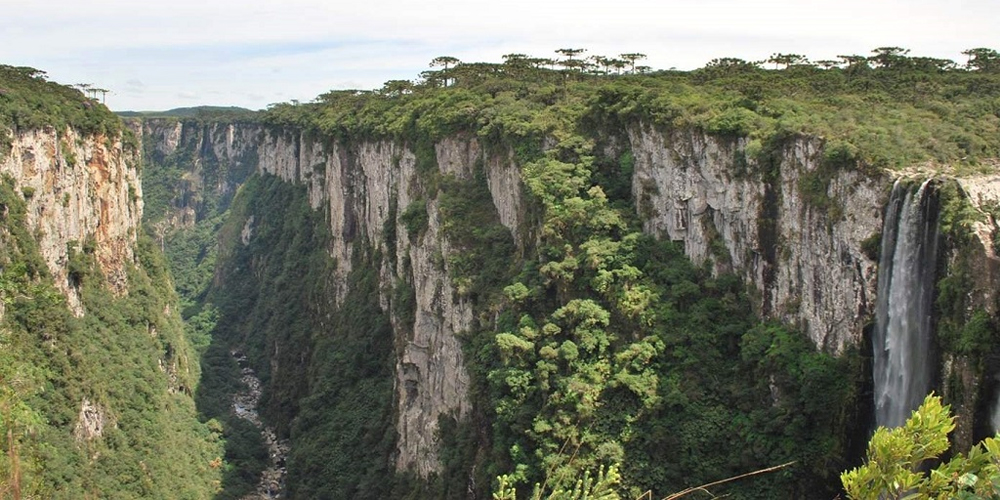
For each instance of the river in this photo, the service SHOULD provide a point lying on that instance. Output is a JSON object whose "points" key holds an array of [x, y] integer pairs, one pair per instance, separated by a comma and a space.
{"points": [[245, 405]]}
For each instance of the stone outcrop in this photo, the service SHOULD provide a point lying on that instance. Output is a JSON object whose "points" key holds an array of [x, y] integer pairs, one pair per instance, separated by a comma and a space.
{"points": [[91, 422], [80, 190]]}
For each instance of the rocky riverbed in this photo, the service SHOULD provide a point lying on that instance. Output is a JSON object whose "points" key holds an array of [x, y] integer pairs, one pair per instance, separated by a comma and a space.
{"points": [[272, 479]]}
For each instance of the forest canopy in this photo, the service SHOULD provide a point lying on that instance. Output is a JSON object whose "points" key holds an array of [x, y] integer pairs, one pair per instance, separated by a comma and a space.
{"points": [[889, 109]]}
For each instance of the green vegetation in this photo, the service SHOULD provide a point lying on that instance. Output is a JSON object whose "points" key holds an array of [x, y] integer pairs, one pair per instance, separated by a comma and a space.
{"points": [[603, 487], [127, 356], [897, 463], [29, 101], [614, 350], [333, 394], [170, 181]]}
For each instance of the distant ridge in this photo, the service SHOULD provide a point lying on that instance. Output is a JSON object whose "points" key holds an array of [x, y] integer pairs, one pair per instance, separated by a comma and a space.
{"points": [[202, 112]]}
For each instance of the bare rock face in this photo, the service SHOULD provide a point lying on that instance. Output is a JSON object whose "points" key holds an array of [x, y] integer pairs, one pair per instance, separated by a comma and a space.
{"points": [[804, 260], [361, 185], [78, 188], [983, 192], [91, 422]]}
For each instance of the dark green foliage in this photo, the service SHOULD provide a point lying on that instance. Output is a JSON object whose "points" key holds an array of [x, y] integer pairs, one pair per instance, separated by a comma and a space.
{"points": [[872, 246], [964, 328], [890, 116], [481, 262], [414, 218], [595, 345], [192, 255], [192, 176], [343, 438], [206, 114], [332, 391], [245, 453]]}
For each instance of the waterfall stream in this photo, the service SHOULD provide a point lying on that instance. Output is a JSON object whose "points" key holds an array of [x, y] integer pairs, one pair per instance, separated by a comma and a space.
{"points": [[903, 332], [995, 414]]}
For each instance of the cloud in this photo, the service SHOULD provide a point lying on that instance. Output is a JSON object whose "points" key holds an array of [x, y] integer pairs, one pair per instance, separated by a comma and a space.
{"points": [[249, 51]]}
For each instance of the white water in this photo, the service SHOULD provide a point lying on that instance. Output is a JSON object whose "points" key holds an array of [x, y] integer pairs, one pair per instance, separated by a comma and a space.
{"points": [[995, 414], [903, 333]]}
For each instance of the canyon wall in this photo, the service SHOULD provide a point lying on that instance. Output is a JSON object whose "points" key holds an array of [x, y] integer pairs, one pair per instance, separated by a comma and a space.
{"points": [[78, 188], [800, 234], [803, 256]]}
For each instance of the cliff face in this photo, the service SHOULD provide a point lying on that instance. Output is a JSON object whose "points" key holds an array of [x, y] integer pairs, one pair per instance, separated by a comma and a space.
{"points": [[805, 261], [361, 187], [104, 401], [808, 268], [798, 232], [78, 188]]}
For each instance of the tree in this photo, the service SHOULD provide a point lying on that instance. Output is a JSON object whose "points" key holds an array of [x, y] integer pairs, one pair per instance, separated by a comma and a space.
{"points": [[786, 59], [541, 62], [104, 93], [618, 64], [729, 66], [632, 57], [570, 54], [894, 467], [982, 59], [889, 57], [518, 60], [932, 64], [395, 88], [447, 62], [602, 61], [854, 61], [586, 488]]}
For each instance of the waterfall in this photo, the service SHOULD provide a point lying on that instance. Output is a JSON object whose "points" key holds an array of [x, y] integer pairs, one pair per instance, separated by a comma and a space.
{"points": [[903, 332], [995, 414]]}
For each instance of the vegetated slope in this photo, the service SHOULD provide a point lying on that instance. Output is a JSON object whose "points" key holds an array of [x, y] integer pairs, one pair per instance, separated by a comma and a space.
{"points": [[97, 401], [591, 343]]}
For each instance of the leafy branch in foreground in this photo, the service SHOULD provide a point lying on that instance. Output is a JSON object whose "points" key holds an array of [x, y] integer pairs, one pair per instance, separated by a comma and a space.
{"points": [[586, 488], [895, 456]]}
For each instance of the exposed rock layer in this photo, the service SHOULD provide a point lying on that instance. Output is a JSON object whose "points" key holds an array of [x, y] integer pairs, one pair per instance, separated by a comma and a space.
{"points": [[806, 264], [78, 188]]}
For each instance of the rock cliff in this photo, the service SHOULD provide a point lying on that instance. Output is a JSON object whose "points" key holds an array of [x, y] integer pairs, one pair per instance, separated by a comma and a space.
{"points": [[805, 261], [80, 190], [798, 232]]}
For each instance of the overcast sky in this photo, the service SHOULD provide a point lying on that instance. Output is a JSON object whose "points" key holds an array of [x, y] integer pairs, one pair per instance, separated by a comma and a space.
{"points": [[161, 55]]}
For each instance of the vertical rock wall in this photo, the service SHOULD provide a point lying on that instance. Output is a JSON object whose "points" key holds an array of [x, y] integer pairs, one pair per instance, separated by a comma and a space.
{"points": [[78, 188], [361, 186], [805, 263]]}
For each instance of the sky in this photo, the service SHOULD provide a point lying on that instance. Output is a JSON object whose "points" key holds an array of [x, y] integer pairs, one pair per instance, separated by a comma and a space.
{"points": [[251, 53]]}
